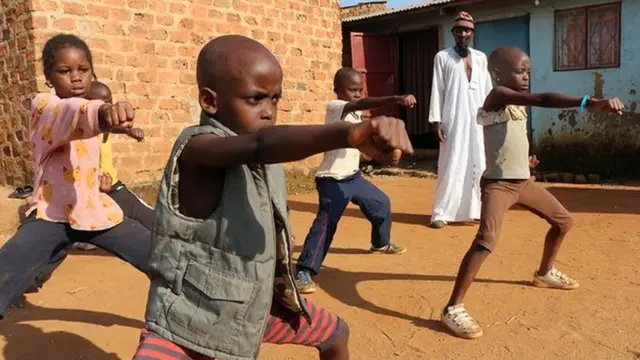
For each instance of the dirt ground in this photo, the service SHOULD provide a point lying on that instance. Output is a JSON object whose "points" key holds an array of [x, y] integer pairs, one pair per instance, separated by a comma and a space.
{"points": [[93, 306]]}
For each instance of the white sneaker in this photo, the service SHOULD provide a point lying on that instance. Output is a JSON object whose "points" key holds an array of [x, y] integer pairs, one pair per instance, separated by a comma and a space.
{"points": [[461, 324], [554, 279]]}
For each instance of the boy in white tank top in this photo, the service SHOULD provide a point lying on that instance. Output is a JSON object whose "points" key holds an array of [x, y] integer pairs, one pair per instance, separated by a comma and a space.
{"points": [[339, 181]]}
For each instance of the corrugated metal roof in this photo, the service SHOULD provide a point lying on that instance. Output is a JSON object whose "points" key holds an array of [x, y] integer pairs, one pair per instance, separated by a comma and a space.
{"points": [[397, 10]]}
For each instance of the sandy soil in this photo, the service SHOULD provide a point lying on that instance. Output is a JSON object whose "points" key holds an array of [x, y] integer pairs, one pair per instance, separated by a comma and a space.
{"points": [[93, 306]]}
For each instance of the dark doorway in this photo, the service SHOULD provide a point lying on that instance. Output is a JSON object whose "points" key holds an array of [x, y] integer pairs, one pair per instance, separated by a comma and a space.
{"points": [[415, 64]]}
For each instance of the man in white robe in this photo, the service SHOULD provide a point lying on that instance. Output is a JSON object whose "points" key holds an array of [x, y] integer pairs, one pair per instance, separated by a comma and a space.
{"points": [[461, 82]]}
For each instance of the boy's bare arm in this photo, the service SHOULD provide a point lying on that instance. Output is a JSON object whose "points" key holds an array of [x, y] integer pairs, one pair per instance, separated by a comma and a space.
{"points": [[502, 96], [285, 143], [375, 102]]}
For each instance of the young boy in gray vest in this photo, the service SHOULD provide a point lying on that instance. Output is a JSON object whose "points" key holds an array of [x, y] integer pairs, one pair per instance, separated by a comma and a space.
{"points": [[340, 181], [222, 276], [507, 180]]}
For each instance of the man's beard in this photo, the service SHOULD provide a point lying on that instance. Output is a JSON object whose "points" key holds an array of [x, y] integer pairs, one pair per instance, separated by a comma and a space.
{"points": [[462, 49]]}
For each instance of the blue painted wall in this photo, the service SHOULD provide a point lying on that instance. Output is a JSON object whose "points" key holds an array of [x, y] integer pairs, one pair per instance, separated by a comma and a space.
{"points": [[622, 82]]}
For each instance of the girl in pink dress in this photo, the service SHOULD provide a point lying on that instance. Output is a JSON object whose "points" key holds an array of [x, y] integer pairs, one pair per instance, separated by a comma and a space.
{"points": [[64, 129]]}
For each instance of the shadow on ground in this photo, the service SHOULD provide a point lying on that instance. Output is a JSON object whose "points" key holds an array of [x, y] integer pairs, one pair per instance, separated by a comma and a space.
{"points": [[598, 200], [26, 342], [312, 208], [346, 290]]}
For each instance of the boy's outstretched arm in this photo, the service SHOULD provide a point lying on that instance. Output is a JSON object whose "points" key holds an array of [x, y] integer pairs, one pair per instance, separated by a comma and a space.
{"points": [[375, 102], [284, 143], [502, 96]]}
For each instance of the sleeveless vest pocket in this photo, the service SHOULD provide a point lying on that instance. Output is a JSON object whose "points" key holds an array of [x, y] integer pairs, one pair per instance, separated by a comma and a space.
{"points": [[213, 299]]}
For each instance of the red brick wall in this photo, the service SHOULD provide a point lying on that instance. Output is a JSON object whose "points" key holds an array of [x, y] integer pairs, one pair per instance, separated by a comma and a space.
{"points": [[17, 82], [145, 50]]}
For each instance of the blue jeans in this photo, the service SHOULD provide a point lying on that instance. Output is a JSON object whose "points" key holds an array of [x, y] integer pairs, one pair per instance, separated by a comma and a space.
{"points": [[37, 241], [335, 195]]}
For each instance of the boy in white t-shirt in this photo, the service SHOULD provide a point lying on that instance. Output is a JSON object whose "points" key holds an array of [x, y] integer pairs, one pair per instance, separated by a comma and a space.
{"points": [[339, 181]]}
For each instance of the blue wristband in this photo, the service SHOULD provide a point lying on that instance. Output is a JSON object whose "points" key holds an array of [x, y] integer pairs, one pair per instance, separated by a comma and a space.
{"points": [[584, 102]]}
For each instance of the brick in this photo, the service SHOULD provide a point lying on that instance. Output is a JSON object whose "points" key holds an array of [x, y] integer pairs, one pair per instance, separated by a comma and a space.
{"points": [[100, 44], [158, 7], [188, 51], [214, 14], [138, 61], [188, 78], [65, 23], [170, 76], [138, 4], [257, 9], [86, 27], [73, 9], [179, 36], [223, 28], [186, 24], [125, 75], [158, 62], [199, 12], [166, 50], [121, 46], [113, 59], [250, 20], [180, 64], [158, 35], [222, 3], [113, 29], [45, 5], [233, 18], [162, 146], [166, 20], [145, 19], [258, 34], [148, 76], [130, 161], [240, 6], [145, 47], [98, 11], [203, 27], [177, 8]]}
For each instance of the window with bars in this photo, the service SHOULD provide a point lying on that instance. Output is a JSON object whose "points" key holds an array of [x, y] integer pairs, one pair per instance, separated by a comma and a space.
{"points": [[587, 37]]}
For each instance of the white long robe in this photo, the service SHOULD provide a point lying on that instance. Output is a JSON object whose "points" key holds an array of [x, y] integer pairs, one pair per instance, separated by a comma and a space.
{"points": [[454, 102]]}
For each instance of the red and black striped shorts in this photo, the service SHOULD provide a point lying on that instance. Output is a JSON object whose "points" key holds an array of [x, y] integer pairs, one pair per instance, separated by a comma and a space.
{"points": [[283, 327]]}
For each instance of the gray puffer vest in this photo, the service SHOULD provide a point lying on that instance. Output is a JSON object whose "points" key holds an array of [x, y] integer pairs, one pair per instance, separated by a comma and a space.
{"points": [[213, 280]]}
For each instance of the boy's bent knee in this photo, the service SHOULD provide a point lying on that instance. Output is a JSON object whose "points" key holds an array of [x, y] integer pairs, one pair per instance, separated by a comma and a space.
{"points": [[339, 341], [564, 224]]}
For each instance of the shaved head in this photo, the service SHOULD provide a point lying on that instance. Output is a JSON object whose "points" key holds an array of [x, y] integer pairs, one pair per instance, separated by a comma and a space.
{"points": [[99, 91], [510, 67], [239, 83], [347, 84], [343, 77], [230, 57], [505, 57]]}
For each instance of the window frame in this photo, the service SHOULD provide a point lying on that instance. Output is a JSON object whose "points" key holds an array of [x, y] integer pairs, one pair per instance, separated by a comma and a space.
{"points": [[587, 43]]}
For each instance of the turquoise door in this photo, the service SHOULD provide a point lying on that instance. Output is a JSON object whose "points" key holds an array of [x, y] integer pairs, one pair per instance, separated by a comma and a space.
{"points": [[491, 35]]}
